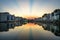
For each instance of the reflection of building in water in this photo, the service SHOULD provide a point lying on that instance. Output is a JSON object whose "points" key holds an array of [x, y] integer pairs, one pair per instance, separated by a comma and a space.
{"points": [[53, 28], [11, 25], [7, 26], [3, 27], [18, 24]]}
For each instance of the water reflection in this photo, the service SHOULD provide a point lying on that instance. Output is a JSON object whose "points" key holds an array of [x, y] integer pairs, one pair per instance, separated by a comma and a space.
{"points": [[29, 31], [7, 26], [54, 28]]}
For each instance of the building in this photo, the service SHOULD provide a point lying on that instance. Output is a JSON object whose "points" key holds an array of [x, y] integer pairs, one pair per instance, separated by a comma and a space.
{"points": [[6, 17], [18, 19], [46, 17], [52, 17], [38, 19], [55, 16], [11, 18]]}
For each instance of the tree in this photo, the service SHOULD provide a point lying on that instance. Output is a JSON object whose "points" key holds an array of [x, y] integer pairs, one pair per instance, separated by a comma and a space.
{"points": [[57, 10], [44, 15]]}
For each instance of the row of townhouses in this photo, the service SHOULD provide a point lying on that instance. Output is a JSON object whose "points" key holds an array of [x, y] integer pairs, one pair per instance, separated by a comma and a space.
{"points": [[6, 17], [50, 17]]}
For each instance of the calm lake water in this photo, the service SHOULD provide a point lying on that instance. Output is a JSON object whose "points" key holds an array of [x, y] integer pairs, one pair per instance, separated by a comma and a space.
{"points": [[29, 31]]}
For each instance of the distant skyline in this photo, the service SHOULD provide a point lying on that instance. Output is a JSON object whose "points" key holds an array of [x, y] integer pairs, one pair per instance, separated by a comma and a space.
{"points": [[32, 8]]}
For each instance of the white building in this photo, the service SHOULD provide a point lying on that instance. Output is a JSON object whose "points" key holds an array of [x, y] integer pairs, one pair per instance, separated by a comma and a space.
{"points": [[56, 16], [11, 18], [5, 16], [46, 17]]}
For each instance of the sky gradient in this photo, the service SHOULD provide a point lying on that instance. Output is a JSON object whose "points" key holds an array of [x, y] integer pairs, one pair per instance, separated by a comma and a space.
{"points": [[32, 8]]}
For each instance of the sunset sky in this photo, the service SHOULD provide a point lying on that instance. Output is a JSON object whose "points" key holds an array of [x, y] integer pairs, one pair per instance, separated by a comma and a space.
{"points": [[30, 8]]}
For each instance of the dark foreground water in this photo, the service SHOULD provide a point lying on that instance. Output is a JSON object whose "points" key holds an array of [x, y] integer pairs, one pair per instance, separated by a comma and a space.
{"points": [[29, 31]]}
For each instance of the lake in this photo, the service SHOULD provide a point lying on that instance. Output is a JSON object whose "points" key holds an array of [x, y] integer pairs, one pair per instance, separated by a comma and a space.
{"points": [[29, 31]]}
